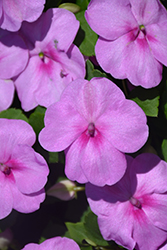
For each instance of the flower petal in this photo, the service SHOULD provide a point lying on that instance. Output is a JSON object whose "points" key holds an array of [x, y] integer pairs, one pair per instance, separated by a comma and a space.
{"points": [[98, 159], [6, 93], [124, 126], [30, 170], [110, 20], [119, 59]]}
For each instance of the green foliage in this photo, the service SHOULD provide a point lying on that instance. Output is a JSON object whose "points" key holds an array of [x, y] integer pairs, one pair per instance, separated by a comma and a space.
{"points": [[13, 113], [86, 38], [147, 99], [36, 119], [53, 157], [91, 72], [164, 149], [87, 231], [82, 3]]}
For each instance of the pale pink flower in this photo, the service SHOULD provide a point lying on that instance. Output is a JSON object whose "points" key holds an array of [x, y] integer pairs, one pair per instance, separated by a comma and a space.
{"points": [[23, 172], [133, 212], [132, 42], [95, 125], [13, 12], [56, 243], [54, 61]]}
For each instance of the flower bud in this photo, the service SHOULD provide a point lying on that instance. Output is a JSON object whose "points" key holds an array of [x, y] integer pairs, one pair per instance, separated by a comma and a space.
{"points": [[74, 8]]}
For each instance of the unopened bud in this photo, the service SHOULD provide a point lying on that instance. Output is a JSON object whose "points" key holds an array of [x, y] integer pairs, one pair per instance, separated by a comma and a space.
{"points": [[63, 190], [74, 8]]}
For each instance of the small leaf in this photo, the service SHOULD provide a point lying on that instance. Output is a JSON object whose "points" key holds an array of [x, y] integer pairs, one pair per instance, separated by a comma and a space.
{"points": [[86, 37], [82, 3], [147, 99], [92, 229], [76, 231], [42, 239], [13, 113], [36, 119], [91, 72], [164, 149], [53, 157]]}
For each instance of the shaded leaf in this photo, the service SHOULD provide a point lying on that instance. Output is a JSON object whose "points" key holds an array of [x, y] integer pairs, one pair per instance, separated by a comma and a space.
{"points": [[147, 99], [86, 38], [36, 119], [91, 72], [13, 113]]}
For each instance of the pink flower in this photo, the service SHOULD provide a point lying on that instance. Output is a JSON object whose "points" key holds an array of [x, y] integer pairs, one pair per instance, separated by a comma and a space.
{"points": [[54, 61], [13, 12], [23, 172], [56, 243], [95, 124], [13, 54], [132, 42], [133, 212], [6, 93]]}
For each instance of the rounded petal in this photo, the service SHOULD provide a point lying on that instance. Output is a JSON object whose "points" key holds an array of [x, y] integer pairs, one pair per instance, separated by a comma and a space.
{"points": [[12, 47], [6, 198], [110, 20], [57, 25], [63, 125], [17, 11], [6, 93], [124, 126], [29, 169], [148, 12], [14, 132], [157, 41], [151, 173], [59, 243], [98, 159], [26, 203], [119, 59]]}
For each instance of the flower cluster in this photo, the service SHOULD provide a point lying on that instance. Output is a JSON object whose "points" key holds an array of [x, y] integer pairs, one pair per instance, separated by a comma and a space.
{"points": [[87, 115]]}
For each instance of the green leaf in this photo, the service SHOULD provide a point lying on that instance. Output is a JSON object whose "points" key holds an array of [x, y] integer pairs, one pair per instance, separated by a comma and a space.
{"points": [[53, 157], [13, 113], [87, 231], [36, 119], [82, 3], [91, 72], [86, 37], [164, 149], [42, 239], [92, 230], [77, 231], [147, 99]]}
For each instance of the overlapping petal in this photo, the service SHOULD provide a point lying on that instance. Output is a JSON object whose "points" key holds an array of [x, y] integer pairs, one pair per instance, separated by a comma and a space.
{"points": [[14, 12], [110, 20], [6, 93], [119, 58]]}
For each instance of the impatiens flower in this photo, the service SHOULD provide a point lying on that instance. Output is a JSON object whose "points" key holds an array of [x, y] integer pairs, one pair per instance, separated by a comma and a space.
{"points": [[6, 93], [56, 243], [132, 42], [133, 212], [54, 61], [23, 172], [13, 12], [13, 54], [95, 124]]}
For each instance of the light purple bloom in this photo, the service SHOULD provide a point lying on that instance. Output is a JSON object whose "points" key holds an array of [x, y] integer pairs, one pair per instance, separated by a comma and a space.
{"points": [[13, 12], [133, 212], [54, 61], [13, 54], [132, 42], [56, 243], [6, 93], [23, 172], [95, 124]]}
